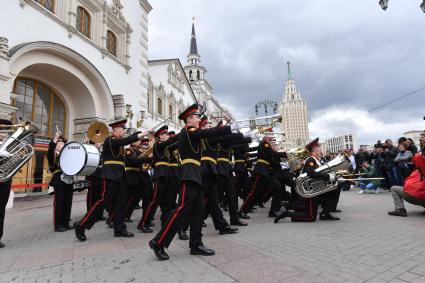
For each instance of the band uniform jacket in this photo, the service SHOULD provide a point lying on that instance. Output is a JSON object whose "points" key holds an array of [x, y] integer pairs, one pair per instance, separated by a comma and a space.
{"points": [[224, 165], [310, 165], [161, 158], [241, 155], [210, 150], [113, 151], [173, 151], [190, 150], [265, 155], [133, 168], [54, 167]]}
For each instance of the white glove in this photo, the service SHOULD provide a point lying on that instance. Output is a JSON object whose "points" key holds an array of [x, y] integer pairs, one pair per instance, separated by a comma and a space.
{"points": [[332, 177], [247, 134], [4, 153], [235, 127]]}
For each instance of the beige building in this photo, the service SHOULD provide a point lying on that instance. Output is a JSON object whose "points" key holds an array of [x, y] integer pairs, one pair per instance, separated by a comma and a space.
{"points": [[339, 143], [294, 113]]}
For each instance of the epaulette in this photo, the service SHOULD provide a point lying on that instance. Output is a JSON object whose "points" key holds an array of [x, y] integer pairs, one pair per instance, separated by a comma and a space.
{"points": [[191, 129], [266, 144]]}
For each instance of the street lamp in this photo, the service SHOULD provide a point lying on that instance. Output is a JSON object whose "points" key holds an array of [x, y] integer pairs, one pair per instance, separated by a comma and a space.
{"points": [[129, 114], [142, 117], [384, 4], [423, 6]]}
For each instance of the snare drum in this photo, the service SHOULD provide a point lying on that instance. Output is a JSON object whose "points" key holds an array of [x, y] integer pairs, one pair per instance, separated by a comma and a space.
{"points": [[79, 159]]}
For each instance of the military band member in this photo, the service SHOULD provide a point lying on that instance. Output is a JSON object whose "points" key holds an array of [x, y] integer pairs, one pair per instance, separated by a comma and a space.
{"points": [[263, 178], [5, 187], [209, 174], [162, 192], [305, 209], [62, 184], [242, 178], [191, 206], [113, 187], [95, 185]]}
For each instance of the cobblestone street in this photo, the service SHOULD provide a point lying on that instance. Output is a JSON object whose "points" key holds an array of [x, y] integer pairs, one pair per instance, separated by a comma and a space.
{"points": [[366, 245]]}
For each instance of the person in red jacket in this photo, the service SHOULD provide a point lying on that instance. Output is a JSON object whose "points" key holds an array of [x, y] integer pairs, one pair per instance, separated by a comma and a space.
{"points": [[414, 186]]}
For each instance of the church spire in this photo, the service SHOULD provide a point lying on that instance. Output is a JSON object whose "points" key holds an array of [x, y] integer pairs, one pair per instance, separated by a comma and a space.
{"points": [[289, 70], [193, 45]]}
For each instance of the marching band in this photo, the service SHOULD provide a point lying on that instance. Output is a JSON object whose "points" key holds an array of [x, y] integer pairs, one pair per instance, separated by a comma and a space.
{"points": [[198, 166]]}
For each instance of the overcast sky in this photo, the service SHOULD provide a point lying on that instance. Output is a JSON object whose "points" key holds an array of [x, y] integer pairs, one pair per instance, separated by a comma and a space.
{"points": [[348, 57]]}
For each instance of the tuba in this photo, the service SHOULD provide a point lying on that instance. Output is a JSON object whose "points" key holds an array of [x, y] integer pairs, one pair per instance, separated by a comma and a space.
{"points": [[18, 149], [308, 187]]}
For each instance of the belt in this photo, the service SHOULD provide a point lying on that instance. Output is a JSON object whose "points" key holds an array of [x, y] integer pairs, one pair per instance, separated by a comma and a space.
{"points": [[263, 161], [56, 171], [223, 159], [239, 161], [209, 159], [173, 164], [162, 163], [191, 161], [113, 162], [132, 169]]}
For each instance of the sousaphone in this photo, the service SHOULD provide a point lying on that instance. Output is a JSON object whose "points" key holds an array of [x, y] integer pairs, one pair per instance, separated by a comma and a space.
{"points": [[97, 132]]}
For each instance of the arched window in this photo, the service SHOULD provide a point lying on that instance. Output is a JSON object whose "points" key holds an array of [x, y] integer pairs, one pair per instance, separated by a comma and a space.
{"points": [[198, 75], [39, 103], [111, 42], [190, 74], [48, 4], [159, 106], [83, 21]]}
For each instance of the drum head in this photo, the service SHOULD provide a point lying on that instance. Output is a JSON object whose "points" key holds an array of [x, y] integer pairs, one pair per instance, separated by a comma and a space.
{"points": [[72, 158]]}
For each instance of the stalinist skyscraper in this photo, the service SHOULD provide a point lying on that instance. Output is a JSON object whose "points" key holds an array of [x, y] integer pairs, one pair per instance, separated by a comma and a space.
{"points": [[294, 113]]}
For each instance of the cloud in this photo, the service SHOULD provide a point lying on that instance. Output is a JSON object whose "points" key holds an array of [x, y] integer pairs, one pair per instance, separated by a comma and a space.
{"points": [[344, 54], [367, 127]]}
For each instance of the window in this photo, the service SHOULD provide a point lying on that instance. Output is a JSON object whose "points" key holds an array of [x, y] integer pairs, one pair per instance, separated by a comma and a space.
{"points": [[37, 102], [111, 42], [48, 4], [198, 75], [83, 21], [149, 101], [170, 110], [159, 107]]}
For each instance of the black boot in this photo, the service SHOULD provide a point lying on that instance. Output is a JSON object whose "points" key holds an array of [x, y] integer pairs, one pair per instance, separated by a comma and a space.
{"points": [[159, 251], [228, 230], [398, 212], [243, 215], [202, 250], [79, 232], [327, 216], [238, 222], [123, 233], [145, 229], [280, 215], [2, 245], [182, 235]]}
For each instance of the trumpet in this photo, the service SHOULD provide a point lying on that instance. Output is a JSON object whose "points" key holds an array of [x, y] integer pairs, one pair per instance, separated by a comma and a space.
{"points": [[273, 118]]}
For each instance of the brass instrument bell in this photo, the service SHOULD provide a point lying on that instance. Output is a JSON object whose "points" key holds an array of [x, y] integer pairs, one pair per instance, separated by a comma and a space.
{"points": [[97, 132]]}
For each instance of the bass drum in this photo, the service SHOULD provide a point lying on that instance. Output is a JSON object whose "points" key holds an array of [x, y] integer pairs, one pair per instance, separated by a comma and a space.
{"points": [[79, 159]]}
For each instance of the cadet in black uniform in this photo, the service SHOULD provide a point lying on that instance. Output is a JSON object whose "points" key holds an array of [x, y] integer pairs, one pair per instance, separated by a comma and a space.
{"points": [[4, 187], [62, 184], [263, 178], [242, 179], [95, 186], [114, 186], [174, 168], [306, 208], [163, 193], [191, 206], [209, 174]]}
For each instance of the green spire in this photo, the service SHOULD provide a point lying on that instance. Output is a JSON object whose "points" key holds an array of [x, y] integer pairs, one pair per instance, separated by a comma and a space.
{"points": [[289, 70]]}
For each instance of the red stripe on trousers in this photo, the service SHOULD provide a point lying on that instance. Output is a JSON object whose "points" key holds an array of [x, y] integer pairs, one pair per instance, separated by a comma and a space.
{"points": [[254, 186], [174, 215], [150, 204], [91, 210]]}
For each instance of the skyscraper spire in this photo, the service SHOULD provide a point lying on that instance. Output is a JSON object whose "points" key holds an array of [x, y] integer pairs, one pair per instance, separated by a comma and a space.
{"points": [[193, 45], [289, 70]]}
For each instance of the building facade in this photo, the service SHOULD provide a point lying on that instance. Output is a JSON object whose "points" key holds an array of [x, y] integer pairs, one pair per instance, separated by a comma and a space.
{"points": [[67, 63], [339, 144], [195, 72], [293, 109]]}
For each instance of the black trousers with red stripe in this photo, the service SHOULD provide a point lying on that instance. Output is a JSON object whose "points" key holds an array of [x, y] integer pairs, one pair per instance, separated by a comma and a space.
{"points": [[94, 191], [62, 205], [113, 192], [4, 197], [227, 184], [162, 196], [243, 184], [190, 210], [210, 184], [259, 186], [133, 197]]}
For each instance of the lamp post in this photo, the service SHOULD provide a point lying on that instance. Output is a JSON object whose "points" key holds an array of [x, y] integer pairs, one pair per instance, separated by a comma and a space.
{"points": [[384, 4], [142, 118], [423, 6]]}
